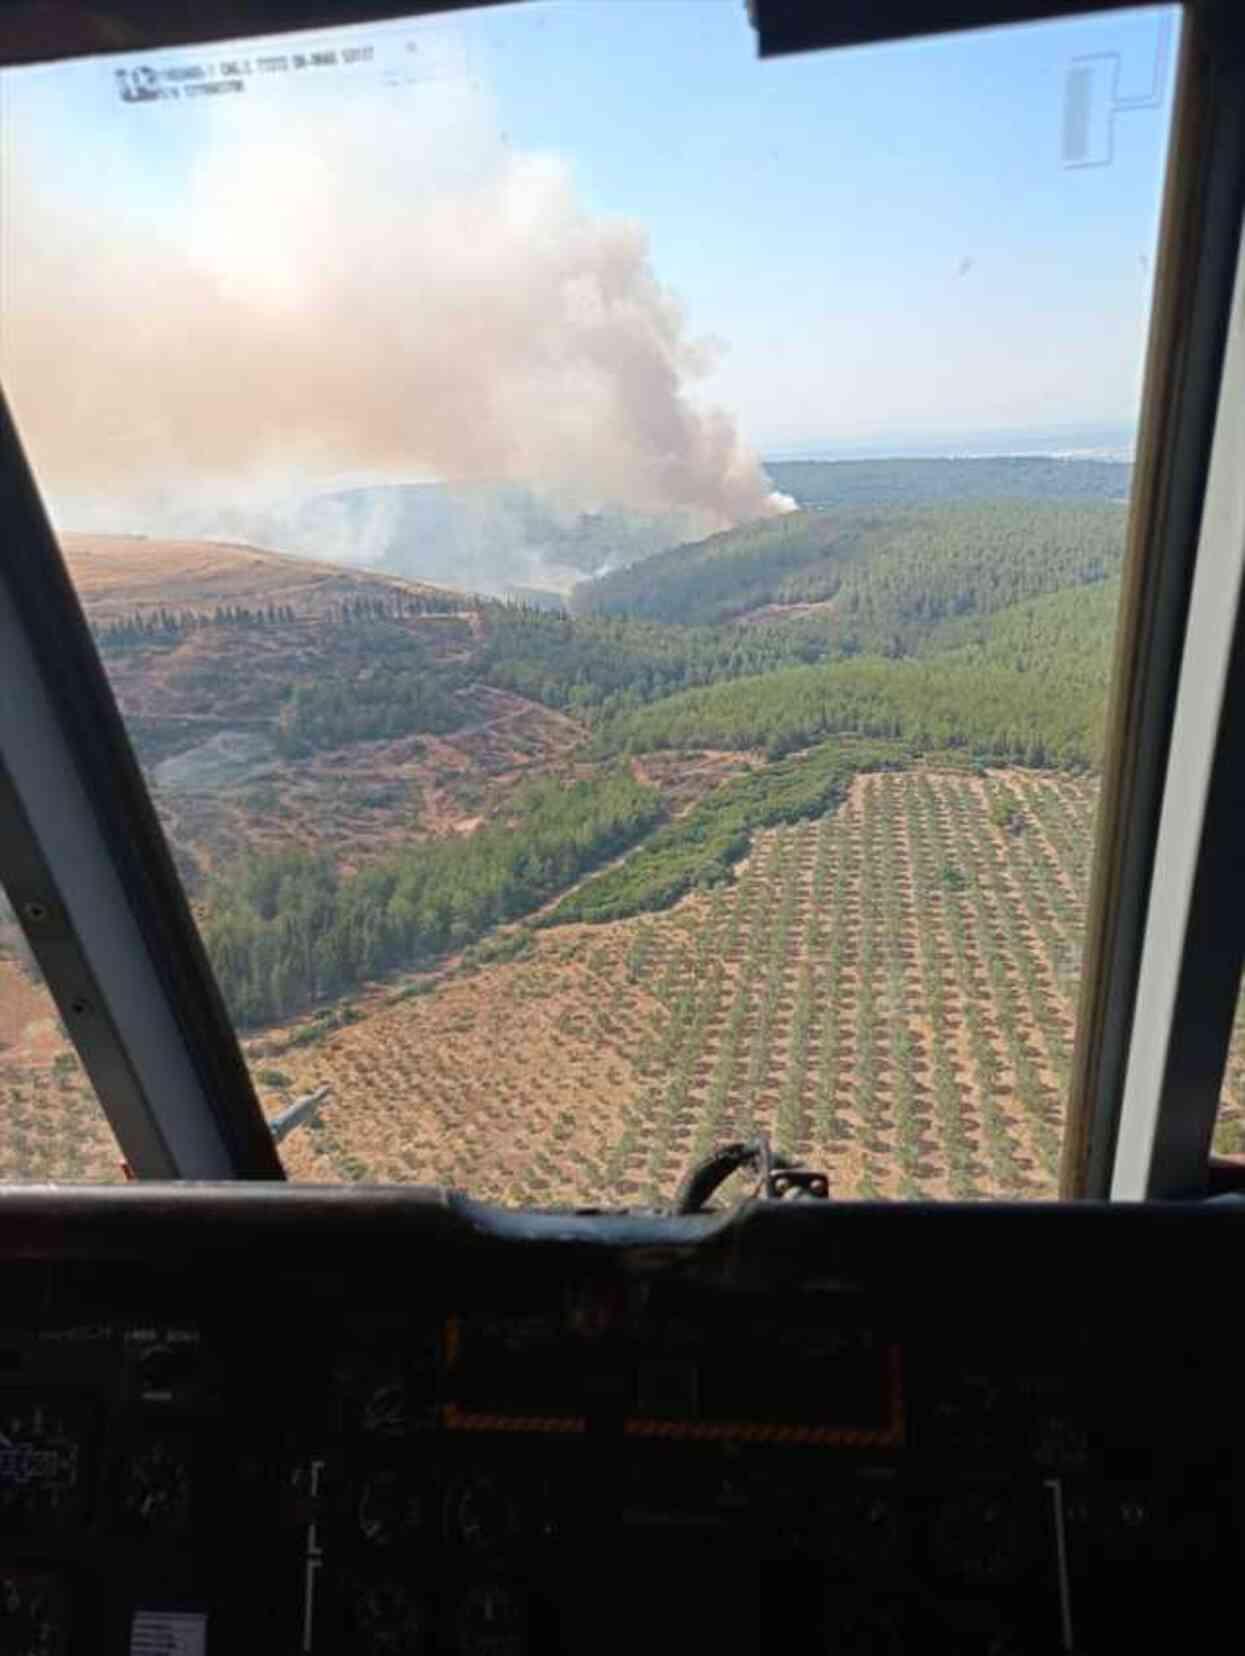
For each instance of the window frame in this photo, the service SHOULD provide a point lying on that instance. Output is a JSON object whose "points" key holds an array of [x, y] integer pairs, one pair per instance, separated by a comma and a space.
{"points": [[1136, 898], [93, 884], [167, 1063]]}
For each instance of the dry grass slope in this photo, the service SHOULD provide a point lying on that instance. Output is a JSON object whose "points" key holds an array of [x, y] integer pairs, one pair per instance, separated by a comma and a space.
{"points": [[118, 574]]}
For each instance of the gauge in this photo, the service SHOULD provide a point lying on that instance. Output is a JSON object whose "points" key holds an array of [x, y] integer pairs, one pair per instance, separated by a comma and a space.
{"points": [[865, 1627], [1059, 1442], [970, 1626], [388, 1398], [1118, 1524], [40, 1455], [492, 1621], [34, 1613], [165, 1363], [386, 1619], [479, 1513], [862, 1530], [972, 1419], [979, 1539], [388, 1509], [386, 1409], [154, 1486]]}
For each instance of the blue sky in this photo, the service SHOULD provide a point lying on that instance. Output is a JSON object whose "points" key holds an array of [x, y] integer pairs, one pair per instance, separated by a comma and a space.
{"points": [[884, 242], [815, 211]]}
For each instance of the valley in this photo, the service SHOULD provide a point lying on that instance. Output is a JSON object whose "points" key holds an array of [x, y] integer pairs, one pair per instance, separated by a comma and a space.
{"points": [[789, 829]]}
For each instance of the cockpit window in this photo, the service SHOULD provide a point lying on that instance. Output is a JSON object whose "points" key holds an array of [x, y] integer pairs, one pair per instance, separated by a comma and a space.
{"points": [[608, 551], [1230, 1125]]}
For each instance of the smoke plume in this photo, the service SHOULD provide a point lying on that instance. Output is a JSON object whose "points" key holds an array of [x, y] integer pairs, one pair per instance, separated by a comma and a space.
{"points": [[357, 293]]}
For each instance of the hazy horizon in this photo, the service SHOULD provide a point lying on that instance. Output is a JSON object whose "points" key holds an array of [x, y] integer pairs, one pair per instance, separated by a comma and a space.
{"points": [[461, 257]]}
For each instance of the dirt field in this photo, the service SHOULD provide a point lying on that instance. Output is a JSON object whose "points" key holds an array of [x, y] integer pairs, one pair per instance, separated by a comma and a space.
{"points": [[889, 991], [51, 1126]]}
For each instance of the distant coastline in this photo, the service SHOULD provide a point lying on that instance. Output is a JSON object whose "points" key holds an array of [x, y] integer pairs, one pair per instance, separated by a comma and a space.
{"points": [[1089, 442]]}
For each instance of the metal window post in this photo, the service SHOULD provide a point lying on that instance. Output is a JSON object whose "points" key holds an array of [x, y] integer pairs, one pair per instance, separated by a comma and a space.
{"points": [[87, 868], [1195, 925]]}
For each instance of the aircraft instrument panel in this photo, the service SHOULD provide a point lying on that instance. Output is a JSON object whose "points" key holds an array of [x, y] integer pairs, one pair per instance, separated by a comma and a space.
{"points": [[311, 1426]]}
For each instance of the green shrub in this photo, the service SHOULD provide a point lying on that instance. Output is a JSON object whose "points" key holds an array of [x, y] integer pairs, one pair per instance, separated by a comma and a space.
{"points": [[700, 849]]}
